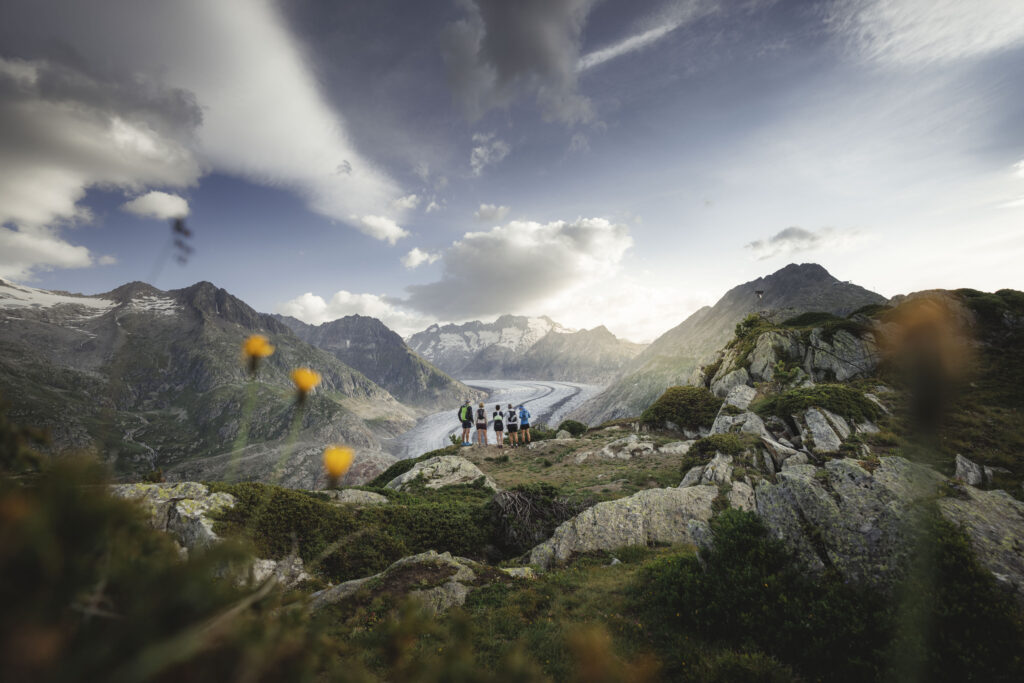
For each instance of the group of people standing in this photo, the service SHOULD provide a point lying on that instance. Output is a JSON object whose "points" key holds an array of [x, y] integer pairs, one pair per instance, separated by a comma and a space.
{"points": [[514, 421]]}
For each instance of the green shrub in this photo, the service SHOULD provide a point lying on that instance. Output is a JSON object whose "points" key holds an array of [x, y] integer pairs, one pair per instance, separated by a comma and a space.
{"points": [[686, 407], [841, 399], [347, 542], [403, 466], [811, 319], [727, 444], [871, 310], [541, 433], [526, 515], [573, 427], [744, 667]]}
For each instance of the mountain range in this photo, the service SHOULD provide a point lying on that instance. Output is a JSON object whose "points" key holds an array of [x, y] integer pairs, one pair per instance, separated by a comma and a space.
{"points": [[674, 357], [518, 347], [373, 349]]}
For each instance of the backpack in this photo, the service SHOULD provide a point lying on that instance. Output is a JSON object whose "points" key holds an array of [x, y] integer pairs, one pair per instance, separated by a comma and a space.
{"points": [[498, 419], [481, 415], [512, 417], [465, 413]]}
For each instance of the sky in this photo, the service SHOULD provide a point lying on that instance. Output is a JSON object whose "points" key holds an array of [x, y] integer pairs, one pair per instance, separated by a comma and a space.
{"points": [[598, 161]]}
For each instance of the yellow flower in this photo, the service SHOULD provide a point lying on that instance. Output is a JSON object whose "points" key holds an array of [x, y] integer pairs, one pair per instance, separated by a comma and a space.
{"points": [[257, 346], [305, 379], [254, 348], [337, 460]]}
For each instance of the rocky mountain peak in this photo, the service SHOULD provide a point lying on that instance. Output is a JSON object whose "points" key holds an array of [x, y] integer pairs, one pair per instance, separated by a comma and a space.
{"points": [[213, 302]]}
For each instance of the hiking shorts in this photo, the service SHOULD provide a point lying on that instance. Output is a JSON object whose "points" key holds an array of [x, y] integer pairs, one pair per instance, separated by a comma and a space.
{"points": [[525, 425], [498, 427], [482, 426], [513, 428], [466, 424]]}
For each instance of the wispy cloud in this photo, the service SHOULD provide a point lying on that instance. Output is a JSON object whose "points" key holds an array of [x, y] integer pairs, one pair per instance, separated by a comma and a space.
{"points": [[490, 212], [417, 257], [793, 240], [919, 32], [487, 151]]}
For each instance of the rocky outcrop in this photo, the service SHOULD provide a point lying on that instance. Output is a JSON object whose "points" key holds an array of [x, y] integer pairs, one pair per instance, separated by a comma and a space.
{"points": [[843, 516], [743, 423], [443, 470], [183, 510], [438, 580], [994, 523], [645, 518], [740, 396], [816, 432], [626, 448]]}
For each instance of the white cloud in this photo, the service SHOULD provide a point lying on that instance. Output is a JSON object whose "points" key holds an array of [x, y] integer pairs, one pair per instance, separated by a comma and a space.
{"points": [[432, 207], [579, 143], [516, 267], [272, 126], [407, 203], [156, 204], [106, 260], [26, 251], [487, 151], [417, 257], [315, 310], [659, 26], [490, 212], [918, 32], [380, 227], [793, 240]]}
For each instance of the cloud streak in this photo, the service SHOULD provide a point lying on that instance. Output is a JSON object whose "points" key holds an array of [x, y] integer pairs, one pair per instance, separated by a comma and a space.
{"points": [[794, 240]]}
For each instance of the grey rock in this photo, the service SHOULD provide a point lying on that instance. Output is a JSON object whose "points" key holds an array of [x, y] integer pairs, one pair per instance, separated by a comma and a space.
{"points": [[614, 562], [844, 358], [744, 423], [626, 448], [645, 518], [818, 432], [182, 509], [453, 578], [700, 532], [718, 471], [838, 424], [968, 472], [779, 452], [796, 459], [692, 477], [741, 497], [740, 396], [877, 401], [356, 497], [676, 448], [519, 572], [721, 387], [288, 572], [563, 434], [443, 470], [866, 427], [994, 523]]}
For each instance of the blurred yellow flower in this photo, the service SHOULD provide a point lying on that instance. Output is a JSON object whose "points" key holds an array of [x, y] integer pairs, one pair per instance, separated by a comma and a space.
{"points": [[257, 346], [305, 379], [337, 460]]}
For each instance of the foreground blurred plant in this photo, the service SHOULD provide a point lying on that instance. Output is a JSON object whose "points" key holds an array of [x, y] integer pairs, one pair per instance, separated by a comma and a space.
{"points": [[305, 381], [255, 348], [337, 460]]}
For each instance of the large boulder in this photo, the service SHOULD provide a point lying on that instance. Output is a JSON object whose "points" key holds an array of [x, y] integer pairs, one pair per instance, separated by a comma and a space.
{"points": [[994, 523], [645, 518], [817, 433], [740, 396], [443, 470], [721, 386], [744, 423], [969, 472], [842, 358], [438, 580], [626, 448], [182, 509], [843, 516]]}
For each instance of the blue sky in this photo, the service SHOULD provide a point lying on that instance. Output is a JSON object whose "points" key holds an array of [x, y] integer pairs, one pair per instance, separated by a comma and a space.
{"points": [[601, 162]]}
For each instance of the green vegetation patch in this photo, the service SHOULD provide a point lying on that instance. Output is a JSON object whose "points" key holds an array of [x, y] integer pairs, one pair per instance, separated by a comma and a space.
{"points": [[947, 621], [841, 399], [727, 444], [686, 407], [344, 542], [574, 427]]}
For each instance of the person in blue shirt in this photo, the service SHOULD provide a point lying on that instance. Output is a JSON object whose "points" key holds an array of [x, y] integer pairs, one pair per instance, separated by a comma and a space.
{"points": [[524, 424]]}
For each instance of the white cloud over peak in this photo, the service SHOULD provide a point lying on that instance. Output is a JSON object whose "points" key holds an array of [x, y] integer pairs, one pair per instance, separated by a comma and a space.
{"points": [[490, 212], [380, 227], [315, 310], [919, 32], [417, 257], [794, 239], [487, 151], [156, 204], [407, 203], [25, 252], [518, 266]]}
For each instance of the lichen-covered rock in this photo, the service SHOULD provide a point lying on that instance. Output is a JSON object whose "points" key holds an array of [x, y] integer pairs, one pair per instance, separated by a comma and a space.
{"points": [[645, 518], [843, 516], [692, 476], [438, 580], [288, 572], [744, 423], [721, 386], [796, 459], [779, 452], [443, 470], [839, 424], [844, 358], [181, 509], [626, 448], [740, 396], [563, 434], [968, 472], [519, 572], [356, 497], [741, 496], [994, 523], [718, 471], [817, 434], [676, 448]]}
